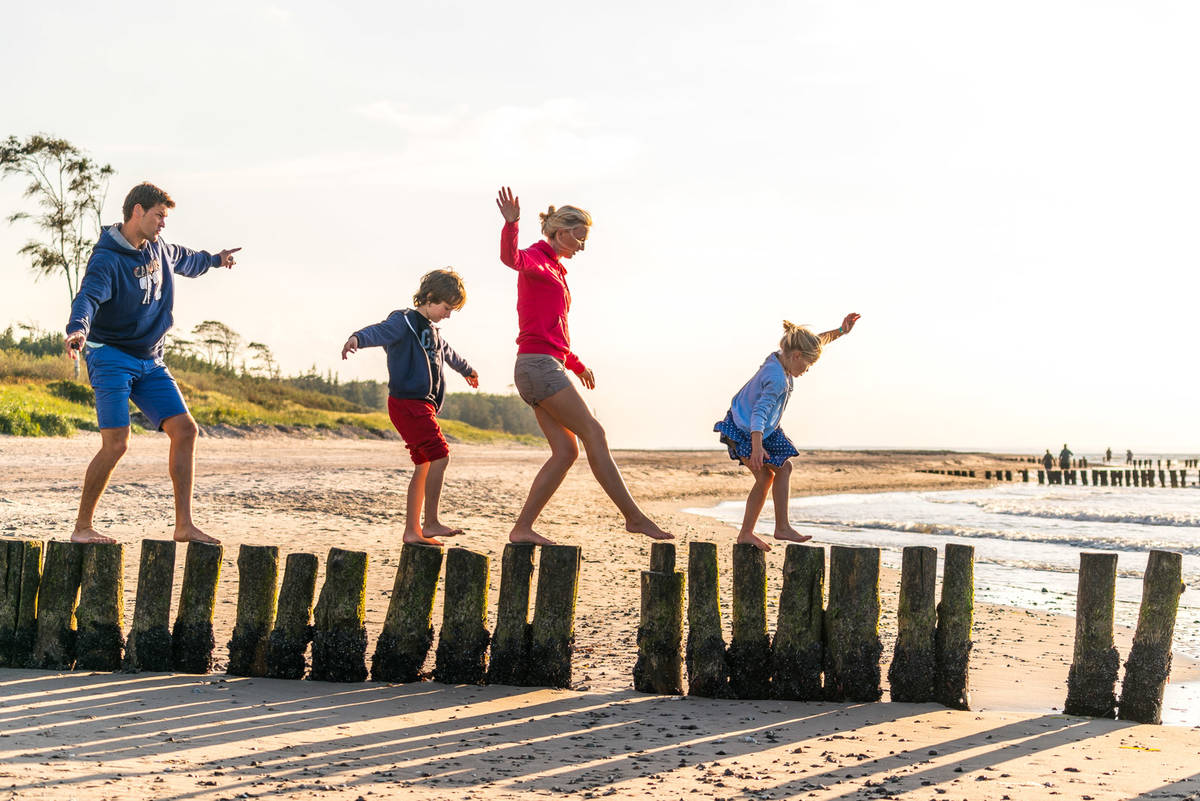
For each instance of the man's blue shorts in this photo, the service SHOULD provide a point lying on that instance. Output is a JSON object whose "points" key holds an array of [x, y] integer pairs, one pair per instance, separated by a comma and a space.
{"points": [[118, 377]]}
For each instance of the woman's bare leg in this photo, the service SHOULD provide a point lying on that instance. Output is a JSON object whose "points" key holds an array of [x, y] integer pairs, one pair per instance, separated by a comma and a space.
{"points": [[754, 504], [563, 453], [567, 408], [781, 494]]}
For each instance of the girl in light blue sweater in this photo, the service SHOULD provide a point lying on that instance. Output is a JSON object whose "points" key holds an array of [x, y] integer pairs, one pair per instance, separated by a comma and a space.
{"points": [[751, 427]]}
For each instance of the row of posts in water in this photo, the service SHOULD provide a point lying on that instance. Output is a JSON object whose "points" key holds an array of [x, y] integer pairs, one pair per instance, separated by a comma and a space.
{"points": [[1115, 477], [1157, 464]]}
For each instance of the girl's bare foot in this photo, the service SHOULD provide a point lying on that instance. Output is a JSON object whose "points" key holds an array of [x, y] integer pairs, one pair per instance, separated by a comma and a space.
{"points": [[190, 533], [528, 535], [789, 534], [753, 539], [438, 530], [418, 538], [90, 534], [647, 527]]}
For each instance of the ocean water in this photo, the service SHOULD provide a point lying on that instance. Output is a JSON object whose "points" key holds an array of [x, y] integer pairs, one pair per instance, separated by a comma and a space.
{"points": [[1027, 541]]}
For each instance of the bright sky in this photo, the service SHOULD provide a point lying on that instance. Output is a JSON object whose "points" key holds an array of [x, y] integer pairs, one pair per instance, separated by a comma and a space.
{"points": [[1005, 191]]}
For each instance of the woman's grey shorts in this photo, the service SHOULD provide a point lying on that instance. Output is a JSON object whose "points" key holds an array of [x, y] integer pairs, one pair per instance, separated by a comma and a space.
{"points": [[538, 376]]}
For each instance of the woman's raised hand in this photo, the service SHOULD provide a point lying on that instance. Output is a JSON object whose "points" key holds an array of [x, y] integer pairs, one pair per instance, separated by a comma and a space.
{"points": [[509, 205], [849, 322]]}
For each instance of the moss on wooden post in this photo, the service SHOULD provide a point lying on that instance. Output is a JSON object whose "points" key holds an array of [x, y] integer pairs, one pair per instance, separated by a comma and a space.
{"points": [[852, 644], [1092, 680], [462, 644], [659, 666], [339, 648], [192, 641], [293, 629], [258, 576], [510, 642], [708, 672], [797, 652], [149, 645], [749, 654], [101, 613], [956, 614], [1149, 663], [910, 676], [29, 557], [408, 628], [552, 633], [54, 641]]}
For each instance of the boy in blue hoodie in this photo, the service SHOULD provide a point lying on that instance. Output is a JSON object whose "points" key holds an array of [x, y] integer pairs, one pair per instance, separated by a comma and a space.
{"points": [[120, 319], [416, 359]]}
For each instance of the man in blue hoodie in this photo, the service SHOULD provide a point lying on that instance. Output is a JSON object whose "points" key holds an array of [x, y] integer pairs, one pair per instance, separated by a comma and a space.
{"points": [[120, 320]]}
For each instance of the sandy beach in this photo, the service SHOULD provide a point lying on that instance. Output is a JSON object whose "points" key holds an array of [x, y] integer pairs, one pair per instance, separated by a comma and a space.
{"points": [[159, 736]]}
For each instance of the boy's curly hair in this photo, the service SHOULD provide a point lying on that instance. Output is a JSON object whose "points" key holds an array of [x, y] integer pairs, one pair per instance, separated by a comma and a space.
{"points": [[441, 286]]}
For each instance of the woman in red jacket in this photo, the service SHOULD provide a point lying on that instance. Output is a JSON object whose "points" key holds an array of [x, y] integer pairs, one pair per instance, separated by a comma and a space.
{"points": [[543, 358]]}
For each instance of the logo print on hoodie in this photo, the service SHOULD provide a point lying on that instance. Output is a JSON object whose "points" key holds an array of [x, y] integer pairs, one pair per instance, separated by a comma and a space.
{"points": [[150, 280]]}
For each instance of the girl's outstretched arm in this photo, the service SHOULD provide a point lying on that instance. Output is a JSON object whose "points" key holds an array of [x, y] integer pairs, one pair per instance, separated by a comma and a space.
{"points": [[847, 324]]}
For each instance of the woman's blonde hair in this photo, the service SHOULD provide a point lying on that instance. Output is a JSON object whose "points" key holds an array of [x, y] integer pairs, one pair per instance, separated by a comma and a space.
{"points": [[556, 219], [799, 338]]}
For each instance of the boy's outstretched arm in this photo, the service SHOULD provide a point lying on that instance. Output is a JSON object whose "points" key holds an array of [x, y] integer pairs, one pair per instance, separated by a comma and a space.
{"points": [[847, 324], [460, 365]]}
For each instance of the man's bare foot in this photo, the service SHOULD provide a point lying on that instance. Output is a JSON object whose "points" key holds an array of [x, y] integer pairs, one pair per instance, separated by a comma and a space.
{"points": [[646, 526], [190, 533], [528, 535], [789, 534], [90, 534], [438, 530], [755, 540], [418, 538]]}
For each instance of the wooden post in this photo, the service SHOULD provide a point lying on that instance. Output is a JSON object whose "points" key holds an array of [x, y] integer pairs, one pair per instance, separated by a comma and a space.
{"points": [[1041, 476], [797, 653], [101, 612], [339, 649], [1149, 663], [1104, 478], [552, 633], [258, 577], [510, 642], [708, 672], [852, 644], [749, 652], [28, 561], [956, 613], [408, 628], [462, 645], [192, 641], [914, 660], [149, 644], [659, 666], [293, 629], [1083, 477], [1092, 680], [1025, 476], [11, 563], [54, 642]]}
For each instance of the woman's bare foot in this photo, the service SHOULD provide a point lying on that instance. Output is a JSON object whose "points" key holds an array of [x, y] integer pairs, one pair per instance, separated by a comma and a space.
{"points": [[528, 535], [646, 526], [789, 534], [755, 540], [418, 538], [190, 533], [90, 534], [439, 530]]}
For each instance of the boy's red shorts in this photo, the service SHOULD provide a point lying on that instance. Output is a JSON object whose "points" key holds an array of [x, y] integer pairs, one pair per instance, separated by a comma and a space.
{"points": [[419, 428]]}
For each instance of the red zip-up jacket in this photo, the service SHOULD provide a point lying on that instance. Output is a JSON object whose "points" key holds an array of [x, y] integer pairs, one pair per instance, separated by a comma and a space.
{"points": [[543, 299]]}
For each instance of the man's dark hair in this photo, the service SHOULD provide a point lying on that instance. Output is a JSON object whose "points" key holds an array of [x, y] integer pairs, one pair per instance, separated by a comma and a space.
{"points": [[441, 286], [146, 195]]}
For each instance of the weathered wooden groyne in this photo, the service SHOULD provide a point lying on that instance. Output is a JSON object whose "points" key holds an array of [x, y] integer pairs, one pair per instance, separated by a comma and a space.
{"points": [[1096, 477]]}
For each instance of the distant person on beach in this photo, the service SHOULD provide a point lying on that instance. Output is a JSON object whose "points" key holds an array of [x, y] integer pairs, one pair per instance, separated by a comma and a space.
{"points": [[1128, 457], [1064, 457], [417, 357], [1048, 460], [1107, 455], [751, 429], [543, 358], [119, 320]]}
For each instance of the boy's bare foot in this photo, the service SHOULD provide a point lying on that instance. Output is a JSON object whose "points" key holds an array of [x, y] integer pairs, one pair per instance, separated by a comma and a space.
{"points": [[528, 535], [418, 538], [190, 533], [646, 526], [90, 535], [755, 540], [438, 530], [789, 534]]}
